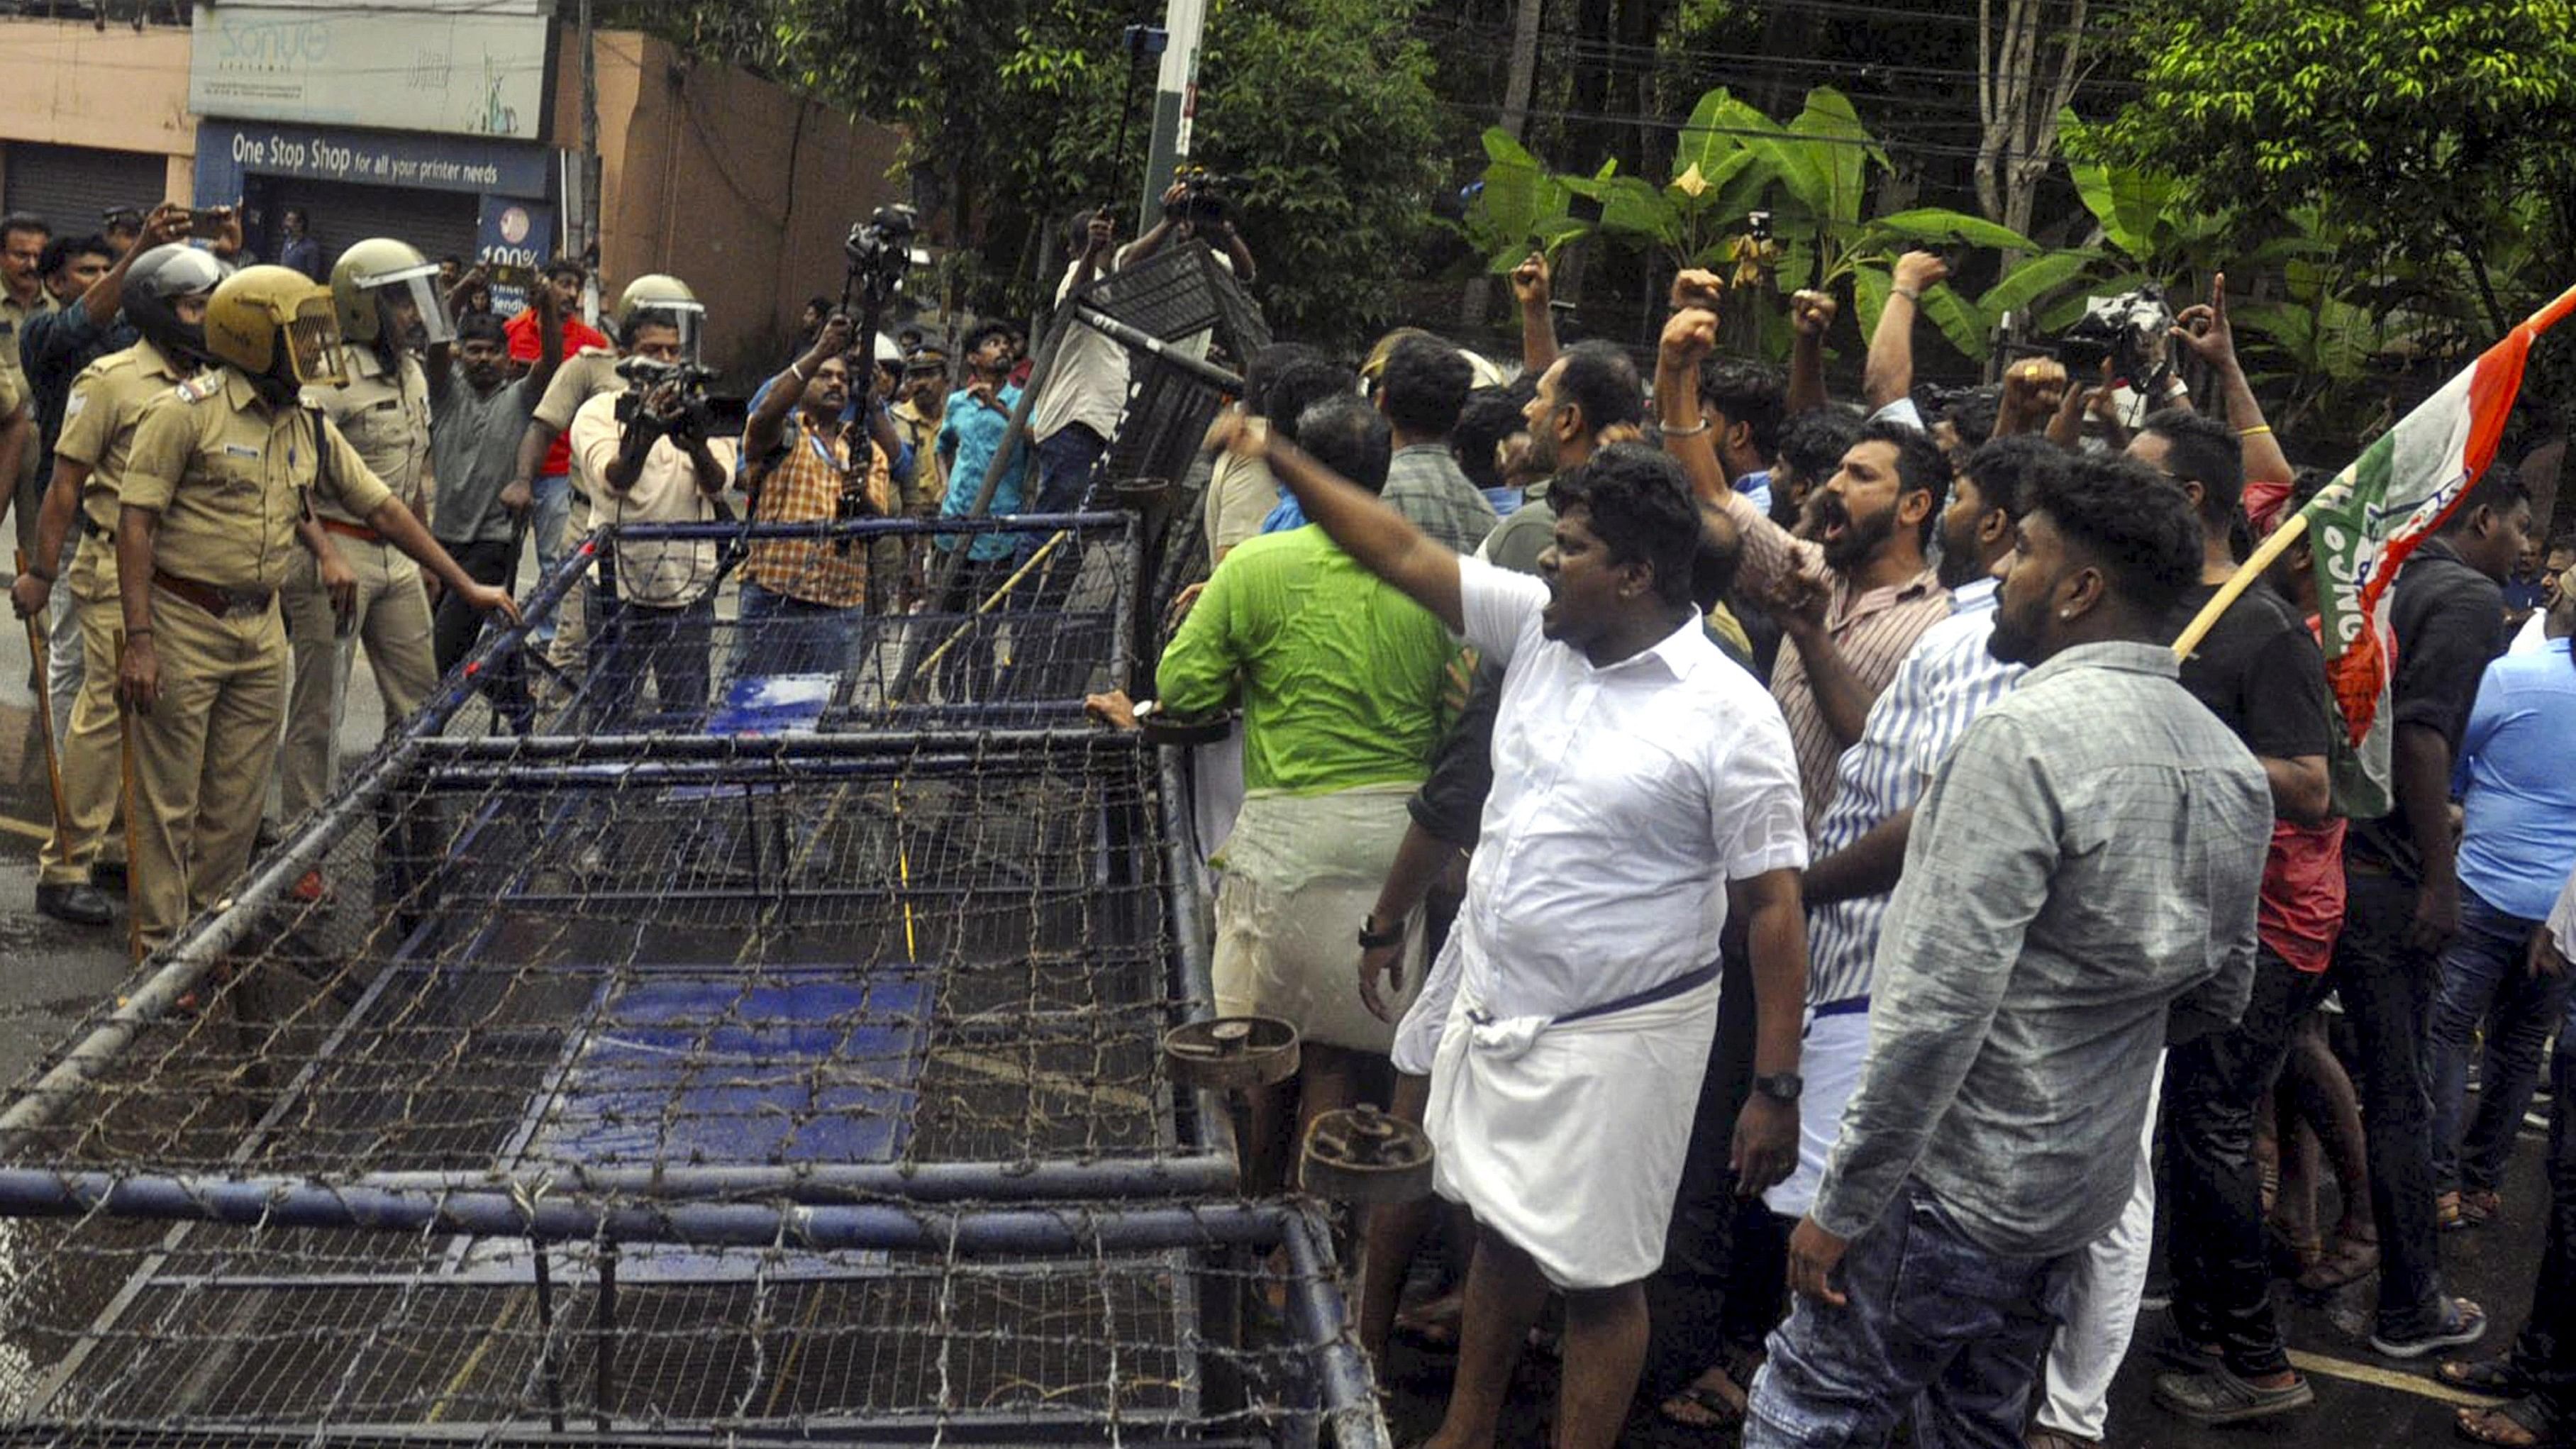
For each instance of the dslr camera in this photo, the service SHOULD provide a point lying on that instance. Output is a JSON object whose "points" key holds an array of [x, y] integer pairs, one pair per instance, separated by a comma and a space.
{"points": [[879, 250], [1206, 199], [2129, 331]]}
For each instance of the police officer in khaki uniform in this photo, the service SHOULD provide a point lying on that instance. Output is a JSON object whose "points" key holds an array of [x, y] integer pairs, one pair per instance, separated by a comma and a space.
{"points": [[587, 374], [385, 295], [166, 290], [23, 298], [223, 469]]}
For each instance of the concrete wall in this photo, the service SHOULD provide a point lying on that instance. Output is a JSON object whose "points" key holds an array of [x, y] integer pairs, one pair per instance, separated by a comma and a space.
{"points": [[67, 83], [728, 182]]}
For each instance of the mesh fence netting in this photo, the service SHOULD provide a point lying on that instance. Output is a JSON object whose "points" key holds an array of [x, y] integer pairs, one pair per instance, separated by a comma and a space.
{"points": [[774, 1057]]}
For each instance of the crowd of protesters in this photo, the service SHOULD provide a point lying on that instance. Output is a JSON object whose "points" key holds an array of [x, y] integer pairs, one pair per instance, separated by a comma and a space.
{"points": [[1768, 842], [1841, 955]]}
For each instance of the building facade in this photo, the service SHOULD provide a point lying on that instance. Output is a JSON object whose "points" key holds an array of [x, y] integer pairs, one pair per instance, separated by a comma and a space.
{"points": [[455, 125]]}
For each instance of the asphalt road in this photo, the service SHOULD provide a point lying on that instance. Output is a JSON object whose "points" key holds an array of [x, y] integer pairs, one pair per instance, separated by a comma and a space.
{"points": [[51, 973]]}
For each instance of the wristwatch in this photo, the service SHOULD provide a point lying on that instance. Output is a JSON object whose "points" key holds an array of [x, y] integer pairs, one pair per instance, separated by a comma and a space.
{"points": [[1780, 1086], [1371, 938]]}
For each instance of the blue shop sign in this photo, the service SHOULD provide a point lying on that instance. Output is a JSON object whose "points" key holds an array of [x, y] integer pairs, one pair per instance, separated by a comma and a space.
{"points": [[229, 150]]}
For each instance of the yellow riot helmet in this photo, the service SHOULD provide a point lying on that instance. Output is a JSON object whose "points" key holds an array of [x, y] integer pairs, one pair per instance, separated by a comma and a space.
{"points": [[276, 325], [666, 299], [382, 287]]}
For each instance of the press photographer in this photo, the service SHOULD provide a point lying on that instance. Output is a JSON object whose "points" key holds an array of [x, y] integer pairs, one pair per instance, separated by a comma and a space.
{"points": [[807, 462], [642, 456]]}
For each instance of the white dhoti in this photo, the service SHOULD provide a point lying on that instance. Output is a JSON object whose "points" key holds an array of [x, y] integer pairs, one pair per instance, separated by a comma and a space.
{"points": [[1417, 1032], [1298, 876], [1567, 1138], [1829, 1065]]}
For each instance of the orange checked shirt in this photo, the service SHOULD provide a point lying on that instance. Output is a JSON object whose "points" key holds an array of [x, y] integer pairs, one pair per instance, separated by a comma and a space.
{"points": [[802, 484]]}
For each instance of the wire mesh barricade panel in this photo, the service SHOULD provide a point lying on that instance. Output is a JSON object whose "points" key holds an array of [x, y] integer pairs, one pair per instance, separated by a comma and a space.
{"points": [[844, 961], [1208, 1326], [870, 623]]}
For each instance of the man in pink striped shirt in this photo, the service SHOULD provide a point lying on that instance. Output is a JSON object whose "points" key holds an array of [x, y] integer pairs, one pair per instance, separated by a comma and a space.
{"points": [[1853, 604]]}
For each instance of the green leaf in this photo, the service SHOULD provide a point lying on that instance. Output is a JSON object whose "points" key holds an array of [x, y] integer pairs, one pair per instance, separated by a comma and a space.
{"points": [[2128, 202], [1838, 150], [1871, 287], [1958, 321], [2032, 280], [1933, 223]]}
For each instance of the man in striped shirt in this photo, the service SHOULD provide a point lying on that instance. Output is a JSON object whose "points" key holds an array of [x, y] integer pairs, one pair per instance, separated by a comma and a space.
{"points": [[1854, 604]]}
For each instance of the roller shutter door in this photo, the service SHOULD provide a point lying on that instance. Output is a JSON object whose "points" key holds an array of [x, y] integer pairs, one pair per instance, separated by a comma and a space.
{"points": [[440, 223], [71, 186]]}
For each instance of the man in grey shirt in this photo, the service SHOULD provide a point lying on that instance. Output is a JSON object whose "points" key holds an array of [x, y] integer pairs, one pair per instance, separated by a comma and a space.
{"points": [[477, 415], [2080, 880], [1421, 389]]}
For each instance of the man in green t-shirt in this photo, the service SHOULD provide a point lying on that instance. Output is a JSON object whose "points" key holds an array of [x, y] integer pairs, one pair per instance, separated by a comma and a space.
{"points": [[1340, 679]]}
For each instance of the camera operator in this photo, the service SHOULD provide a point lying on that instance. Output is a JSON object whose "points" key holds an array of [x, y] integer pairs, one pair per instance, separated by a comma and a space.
{"points": [[1075, 418], [642, 457], [802, 598]]}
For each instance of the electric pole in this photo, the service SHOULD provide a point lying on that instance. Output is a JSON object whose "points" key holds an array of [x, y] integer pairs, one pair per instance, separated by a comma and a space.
{"points": [[1176, 100]]}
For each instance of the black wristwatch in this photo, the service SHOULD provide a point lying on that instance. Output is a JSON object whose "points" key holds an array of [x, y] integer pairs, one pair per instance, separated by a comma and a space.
{"points": [[1372, 939], [1780, 1086]]}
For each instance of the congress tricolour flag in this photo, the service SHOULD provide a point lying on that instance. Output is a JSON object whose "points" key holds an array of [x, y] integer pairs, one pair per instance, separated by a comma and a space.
{"points": [[2363, 526]]}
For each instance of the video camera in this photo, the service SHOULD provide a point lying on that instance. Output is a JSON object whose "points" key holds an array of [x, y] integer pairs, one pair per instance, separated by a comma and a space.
{"points": [[1206, 198], [2129, 331], [879, 250], [644, 376]]}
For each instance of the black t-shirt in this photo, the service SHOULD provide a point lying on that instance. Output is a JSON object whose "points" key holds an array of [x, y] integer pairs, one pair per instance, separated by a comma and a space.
{"points": [[2449, 622], [2260, 671]]}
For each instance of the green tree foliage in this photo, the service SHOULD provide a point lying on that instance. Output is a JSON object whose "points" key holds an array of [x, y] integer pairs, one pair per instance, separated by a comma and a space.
{"points": [[1323, 107], [2440, 133]]}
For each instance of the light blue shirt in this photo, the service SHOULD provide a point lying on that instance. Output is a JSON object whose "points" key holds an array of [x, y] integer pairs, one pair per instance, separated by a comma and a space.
{"points": [[969, 434], [2518, 759], [1945, 681], [1756, 486]]}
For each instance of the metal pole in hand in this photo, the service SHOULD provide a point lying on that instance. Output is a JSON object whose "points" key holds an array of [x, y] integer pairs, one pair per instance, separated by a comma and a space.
{"points": [[133, 820], [45, 714]]}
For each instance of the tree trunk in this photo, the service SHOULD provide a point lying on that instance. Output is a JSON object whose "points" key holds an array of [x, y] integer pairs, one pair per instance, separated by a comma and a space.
{"points": [[1518, 87]]}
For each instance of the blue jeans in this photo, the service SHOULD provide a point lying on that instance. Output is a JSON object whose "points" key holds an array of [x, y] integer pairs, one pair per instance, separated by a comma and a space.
{"points": [[2546, 1349], [553, 508], [633, 642], [781, 634], [2484, 984], [1932, 1317]]}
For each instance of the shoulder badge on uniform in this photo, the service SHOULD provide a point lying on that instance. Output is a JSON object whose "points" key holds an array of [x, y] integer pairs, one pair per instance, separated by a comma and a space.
{"points": [[198, 389]]}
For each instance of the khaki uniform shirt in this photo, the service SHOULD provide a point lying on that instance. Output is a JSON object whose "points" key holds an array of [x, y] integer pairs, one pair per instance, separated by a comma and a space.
{"points": [[229, 476], [14, 317], [584, 375], [386, 418], [99, 419], [920, 432]]}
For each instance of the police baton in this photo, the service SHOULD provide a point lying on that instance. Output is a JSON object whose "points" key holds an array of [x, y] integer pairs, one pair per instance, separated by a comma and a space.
{"points": [[45, 714]]}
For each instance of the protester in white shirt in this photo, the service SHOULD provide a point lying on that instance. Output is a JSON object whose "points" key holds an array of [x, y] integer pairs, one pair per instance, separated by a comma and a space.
{"points": [[1644, 787]]}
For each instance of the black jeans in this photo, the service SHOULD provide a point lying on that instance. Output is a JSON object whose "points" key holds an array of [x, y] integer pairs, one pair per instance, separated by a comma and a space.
{"points": [[2546, 1350], [2387, 988], [457, 626], [2213, 1086], [670, 646]]}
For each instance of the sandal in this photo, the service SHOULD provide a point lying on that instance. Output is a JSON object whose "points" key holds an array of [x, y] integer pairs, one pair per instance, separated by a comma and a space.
{"points": [[2295, 1253], [1723, 1403], [2496, 1378], [2446, 1212], [2477, 1206], [2349, 1261], [1432, 1326], [2521, 1424]]}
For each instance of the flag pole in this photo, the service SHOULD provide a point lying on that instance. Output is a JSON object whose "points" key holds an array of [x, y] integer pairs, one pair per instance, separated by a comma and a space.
{"points": [[2296, 526], [2291, 531]]}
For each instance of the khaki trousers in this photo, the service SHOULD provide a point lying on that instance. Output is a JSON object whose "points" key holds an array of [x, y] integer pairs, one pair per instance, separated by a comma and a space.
{"points": [[202, 757], [93, 747], [392, 620]]}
